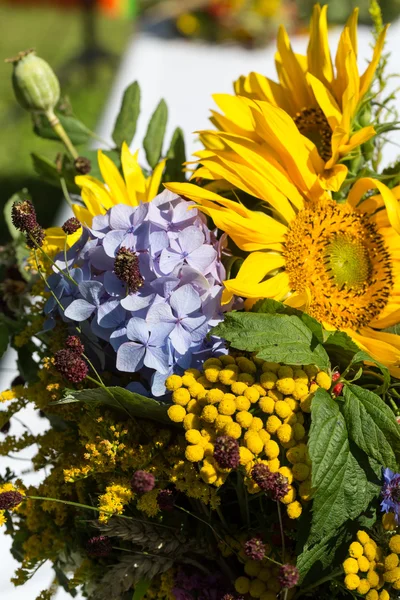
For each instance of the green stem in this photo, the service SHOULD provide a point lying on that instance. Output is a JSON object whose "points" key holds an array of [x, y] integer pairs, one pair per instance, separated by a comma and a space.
{"points": [[51, 260], [45, 281], [281, 530], [65, 191], [55, 124], [317, 583]]}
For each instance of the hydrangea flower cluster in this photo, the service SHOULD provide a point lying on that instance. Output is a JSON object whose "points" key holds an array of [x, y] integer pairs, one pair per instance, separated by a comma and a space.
{"points": [[148, 279]]}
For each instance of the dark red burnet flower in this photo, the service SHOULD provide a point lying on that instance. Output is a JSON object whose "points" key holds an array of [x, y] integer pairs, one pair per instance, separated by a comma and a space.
{"points": [[35, 237], [83, 165], [288, 576], [126, 268], [70, 365], [75, 345], [71, 225], [337, 389], [165, 500], [273, 484], [142, 482], [11, 499], [23, 215], [226, 452], [254, 548], [99, 546]]}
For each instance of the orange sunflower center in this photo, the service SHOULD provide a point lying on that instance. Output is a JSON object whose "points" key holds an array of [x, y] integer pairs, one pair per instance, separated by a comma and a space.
{"points": [[340, 257], [312, 123]]}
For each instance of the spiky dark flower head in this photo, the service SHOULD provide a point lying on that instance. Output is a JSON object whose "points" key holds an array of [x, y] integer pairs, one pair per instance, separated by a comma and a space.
{"points": [[126, 268], [6, 427], [9, 500], [74, 343], [142, 482], [71, 225], [165, 500], [70, 365], [99, 546], [23, 215], [288, 576], [273, 484], [83, 165], [226, 452], [35, 237], [254, 548]]}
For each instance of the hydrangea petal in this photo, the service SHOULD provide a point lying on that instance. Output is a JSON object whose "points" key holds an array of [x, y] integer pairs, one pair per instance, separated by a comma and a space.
{"points": [[79, 310], [130, 357]]}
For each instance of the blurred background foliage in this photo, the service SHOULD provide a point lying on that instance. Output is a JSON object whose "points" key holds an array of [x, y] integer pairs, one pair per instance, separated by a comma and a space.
{"points": [[60, 37]]}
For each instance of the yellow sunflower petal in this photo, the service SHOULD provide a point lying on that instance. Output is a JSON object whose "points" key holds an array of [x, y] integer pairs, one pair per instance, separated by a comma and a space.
{"points": [[299, 300], [97, 188], [290, 71], [257, 265], [368, 75], [275, 287], [326, 101], [333, 178], [134, 179], [384, 347], [358, 138], [391, 202], [250, 230], [236, 109], [318, 53], [83, 215], [154, 181], [113, 179]]}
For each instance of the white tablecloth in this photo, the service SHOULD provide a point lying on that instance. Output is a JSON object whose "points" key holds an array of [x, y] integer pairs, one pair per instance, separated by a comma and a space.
{"points": [[186, 75]]}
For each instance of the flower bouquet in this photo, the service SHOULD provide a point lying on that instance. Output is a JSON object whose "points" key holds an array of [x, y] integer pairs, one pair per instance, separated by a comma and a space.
{"points": [[218, 361]]}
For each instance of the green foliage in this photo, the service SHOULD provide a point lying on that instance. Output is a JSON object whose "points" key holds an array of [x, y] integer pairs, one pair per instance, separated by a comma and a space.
{"points": [[125, 124], [275, 337], [372, 425], [141, 588], [154, 138], [22, 195], [130, 403], [48, 171], [4, 336], [75, 129], [344, 477], [176, 156]]}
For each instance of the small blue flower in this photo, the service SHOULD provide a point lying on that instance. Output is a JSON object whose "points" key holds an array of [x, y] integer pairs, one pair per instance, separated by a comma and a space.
{"points": [[391, 493]]}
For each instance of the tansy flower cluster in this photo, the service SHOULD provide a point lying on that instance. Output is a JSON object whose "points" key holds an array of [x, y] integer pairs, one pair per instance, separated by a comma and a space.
{"points": [[260, 406], [371, 570]]}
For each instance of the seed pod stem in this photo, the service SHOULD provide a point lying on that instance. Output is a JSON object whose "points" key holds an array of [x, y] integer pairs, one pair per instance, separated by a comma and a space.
{"points": [[55, 124]]}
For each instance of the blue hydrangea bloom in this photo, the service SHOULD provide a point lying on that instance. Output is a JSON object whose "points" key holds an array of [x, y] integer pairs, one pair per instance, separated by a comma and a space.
{"points": [[161, 325], [391, 493]]}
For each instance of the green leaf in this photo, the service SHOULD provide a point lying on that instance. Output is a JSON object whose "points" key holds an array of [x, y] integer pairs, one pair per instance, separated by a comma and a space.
{"points": [[77, 132], [125, 124], [153, 140], [344, 479], [48, 172], [274, 307], [176, 156], [122, 399], [275, 337], [314, 558], [372, 425], [141, 588]]}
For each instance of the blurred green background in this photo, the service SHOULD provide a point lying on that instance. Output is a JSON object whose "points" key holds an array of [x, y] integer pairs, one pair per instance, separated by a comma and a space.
{"points": [[58, 36]]}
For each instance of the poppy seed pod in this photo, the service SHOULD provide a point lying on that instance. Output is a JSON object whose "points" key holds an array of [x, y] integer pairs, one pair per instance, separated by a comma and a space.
{"points": [[35, 84]]}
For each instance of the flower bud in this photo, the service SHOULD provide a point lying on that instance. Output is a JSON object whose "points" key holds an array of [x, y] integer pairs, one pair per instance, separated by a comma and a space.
{"points": [[35, 84]]}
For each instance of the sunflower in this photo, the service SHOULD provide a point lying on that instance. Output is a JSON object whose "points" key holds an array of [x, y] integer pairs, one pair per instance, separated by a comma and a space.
{"points": [[339, 262], [323, 103], [131, 189]]}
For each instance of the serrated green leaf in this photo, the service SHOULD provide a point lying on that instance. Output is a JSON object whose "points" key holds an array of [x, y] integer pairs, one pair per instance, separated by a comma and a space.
{"points": [[141, 588], [272, 307], [372, 425], [77, 131], [314, 558], [125, 124], [176, 156], [343, 479], [154, 138], [122, 399], [275, 337]]}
